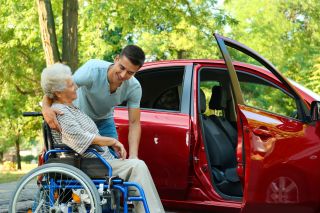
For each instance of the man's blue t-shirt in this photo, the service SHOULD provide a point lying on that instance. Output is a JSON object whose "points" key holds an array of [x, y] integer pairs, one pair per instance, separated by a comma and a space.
{"points": [[94, 97]]}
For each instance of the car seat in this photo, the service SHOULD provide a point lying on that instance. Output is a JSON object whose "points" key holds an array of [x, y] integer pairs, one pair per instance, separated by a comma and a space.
{"points": [[222, 154]]}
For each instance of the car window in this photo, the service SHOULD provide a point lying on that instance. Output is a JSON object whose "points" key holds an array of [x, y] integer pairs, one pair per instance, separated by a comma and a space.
{"points": [[206, 87], [161, 88], [169, 100], [264, 95], [209, 78]]}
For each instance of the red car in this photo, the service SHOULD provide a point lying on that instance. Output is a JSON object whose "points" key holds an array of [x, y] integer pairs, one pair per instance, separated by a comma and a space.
{"points": [[228, 136]]}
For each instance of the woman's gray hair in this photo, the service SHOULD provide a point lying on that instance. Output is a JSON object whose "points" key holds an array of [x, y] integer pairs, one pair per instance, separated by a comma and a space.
{"points": [[53, 79]]}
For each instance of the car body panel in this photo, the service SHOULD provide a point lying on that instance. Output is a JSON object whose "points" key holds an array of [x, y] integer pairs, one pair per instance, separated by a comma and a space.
{"points": [[162, 135]]}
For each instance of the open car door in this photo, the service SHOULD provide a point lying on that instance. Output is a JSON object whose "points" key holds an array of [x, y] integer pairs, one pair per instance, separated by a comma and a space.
{"points": [[276, 142]]}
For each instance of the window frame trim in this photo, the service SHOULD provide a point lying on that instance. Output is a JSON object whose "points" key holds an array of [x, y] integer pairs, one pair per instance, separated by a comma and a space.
{"points": [[185, 102]]}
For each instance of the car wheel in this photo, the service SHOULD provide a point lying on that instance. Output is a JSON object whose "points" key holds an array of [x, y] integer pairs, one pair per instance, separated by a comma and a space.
{"points": [[284, 189]]}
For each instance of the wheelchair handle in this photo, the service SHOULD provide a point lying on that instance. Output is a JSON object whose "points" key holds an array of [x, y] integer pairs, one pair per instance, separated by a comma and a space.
{"points": [[32, 114]]}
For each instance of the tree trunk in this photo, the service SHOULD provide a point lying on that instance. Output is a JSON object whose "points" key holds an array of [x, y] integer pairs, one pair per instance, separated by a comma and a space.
{"points": [[70, 33], [17, 142], [182, 54], [1, 156], [48, 31]]}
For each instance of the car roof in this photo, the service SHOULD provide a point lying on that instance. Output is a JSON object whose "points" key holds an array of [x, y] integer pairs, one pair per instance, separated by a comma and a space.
{"points": [[184, 62]]}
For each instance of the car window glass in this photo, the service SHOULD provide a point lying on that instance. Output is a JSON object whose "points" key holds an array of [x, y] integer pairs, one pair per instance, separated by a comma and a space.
{"points": [[169, 100], [161, 88], [263, 95]]}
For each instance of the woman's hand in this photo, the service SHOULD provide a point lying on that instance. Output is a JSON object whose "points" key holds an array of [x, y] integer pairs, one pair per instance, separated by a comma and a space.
{"points": [[119, 148]]}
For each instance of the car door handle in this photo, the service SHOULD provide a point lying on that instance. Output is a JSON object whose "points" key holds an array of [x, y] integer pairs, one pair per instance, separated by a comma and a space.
{"points": [[263, 132]]}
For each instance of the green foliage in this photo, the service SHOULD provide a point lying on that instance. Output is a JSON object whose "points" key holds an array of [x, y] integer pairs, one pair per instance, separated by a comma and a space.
{"points": [[268, 98], [314, 80], [166, 30], [285, 32], [28, 158], [20, 64]]}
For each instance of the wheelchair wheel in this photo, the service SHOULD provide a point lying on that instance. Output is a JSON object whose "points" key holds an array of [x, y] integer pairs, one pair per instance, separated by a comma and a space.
{"points": [[55, 187]]}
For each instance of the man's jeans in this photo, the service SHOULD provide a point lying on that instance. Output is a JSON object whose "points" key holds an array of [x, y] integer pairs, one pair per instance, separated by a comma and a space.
{"points": [[107, 128]]}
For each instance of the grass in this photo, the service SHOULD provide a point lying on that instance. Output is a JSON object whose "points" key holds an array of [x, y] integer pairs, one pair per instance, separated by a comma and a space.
{"points": [[8, 173]]}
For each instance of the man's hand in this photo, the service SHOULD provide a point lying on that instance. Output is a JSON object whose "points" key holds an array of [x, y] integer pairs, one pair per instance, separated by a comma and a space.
{"points": [[50, 116], [119, 148]]}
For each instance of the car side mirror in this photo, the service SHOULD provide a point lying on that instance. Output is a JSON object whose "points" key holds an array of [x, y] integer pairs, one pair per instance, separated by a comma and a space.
{"points": [[315, 111]]}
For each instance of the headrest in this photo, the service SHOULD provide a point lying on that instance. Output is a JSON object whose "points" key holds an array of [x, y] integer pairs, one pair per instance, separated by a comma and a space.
{"points": [[203, 106], [218, 99]]}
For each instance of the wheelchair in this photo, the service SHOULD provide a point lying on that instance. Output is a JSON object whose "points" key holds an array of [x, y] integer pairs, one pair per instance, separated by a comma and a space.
{"points": [[68, 182]]}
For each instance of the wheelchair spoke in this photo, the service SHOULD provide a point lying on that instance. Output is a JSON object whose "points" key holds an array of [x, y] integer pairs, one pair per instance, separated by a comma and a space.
{"points": [[39, 206]]}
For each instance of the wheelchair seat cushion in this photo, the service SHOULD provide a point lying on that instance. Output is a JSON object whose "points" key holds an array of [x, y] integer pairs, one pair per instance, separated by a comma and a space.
{"points": [[93, 167]]}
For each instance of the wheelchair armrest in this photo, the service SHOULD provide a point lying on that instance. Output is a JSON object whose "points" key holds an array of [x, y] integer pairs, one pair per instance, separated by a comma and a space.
{"points": [[63, 146], [96, 147]]}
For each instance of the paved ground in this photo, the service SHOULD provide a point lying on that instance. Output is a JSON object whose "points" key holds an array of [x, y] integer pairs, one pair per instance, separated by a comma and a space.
{"points": [[6, 190]]}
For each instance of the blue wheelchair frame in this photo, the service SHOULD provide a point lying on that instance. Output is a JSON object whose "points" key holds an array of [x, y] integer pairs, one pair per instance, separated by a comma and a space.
{"points": [[108, 183], [115, 183]]}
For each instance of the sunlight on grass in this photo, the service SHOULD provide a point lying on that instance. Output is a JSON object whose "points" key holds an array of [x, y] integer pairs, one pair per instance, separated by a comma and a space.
{"points": [[8, 173]]}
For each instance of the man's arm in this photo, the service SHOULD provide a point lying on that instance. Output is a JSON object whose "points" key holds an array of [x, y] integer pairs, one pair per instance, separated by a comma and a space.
{"points": [[134, 132], [49, 114]]}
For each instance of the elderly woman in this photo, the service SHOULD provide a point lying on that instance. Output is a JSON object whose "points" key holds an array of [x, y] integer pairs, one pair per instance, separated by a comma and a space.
{"points": [[79, 132]]}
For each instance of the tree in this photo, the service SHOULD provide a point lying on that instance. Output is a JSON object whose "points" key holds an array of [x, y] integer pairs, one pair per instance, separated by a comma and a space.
{"points": [[314, 80], [70, 32], [166, 30], [284, 32], [20, 65], [48, 31]]}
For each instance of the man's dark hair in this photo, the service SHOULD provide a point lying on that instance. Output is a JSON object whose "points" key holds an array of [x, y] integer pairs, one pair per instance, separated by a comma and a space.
{"points": [[135, 54]]}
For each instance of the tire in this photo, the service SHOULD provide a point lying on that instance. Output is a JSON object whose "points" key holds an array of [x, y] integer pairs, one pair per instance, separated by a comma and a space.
{"points": [[285, 188], [32, 191]]}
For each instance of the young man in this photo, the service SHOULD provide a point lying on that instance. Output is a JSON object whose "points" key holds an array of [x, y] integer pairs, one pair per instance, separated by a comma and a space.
{"points": [[103, 85]]}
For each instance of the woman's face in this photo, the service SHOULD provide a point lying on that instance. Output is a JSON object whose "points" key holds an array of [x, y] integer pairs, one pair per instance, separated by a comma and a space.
{"points": [[69, 94]]}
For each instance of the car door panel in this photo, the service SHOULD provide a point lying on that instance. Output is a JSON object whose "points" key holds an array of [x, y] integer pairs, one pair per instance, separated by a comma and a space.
{"points": [[165, 127], [286, 159], [278, 153], [164, 141]]}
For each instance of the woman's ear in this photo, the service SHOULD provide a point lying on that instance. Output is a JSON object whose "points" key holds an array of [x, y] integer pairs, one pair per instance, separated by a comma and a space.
{"points": [[57, 94]]}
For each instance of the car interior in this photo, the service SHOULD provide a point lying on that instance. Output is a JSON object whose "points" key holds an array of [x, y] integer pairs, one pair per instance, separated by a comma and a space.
{"points": [[219, 131], [162, 88], [218, 117]]}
